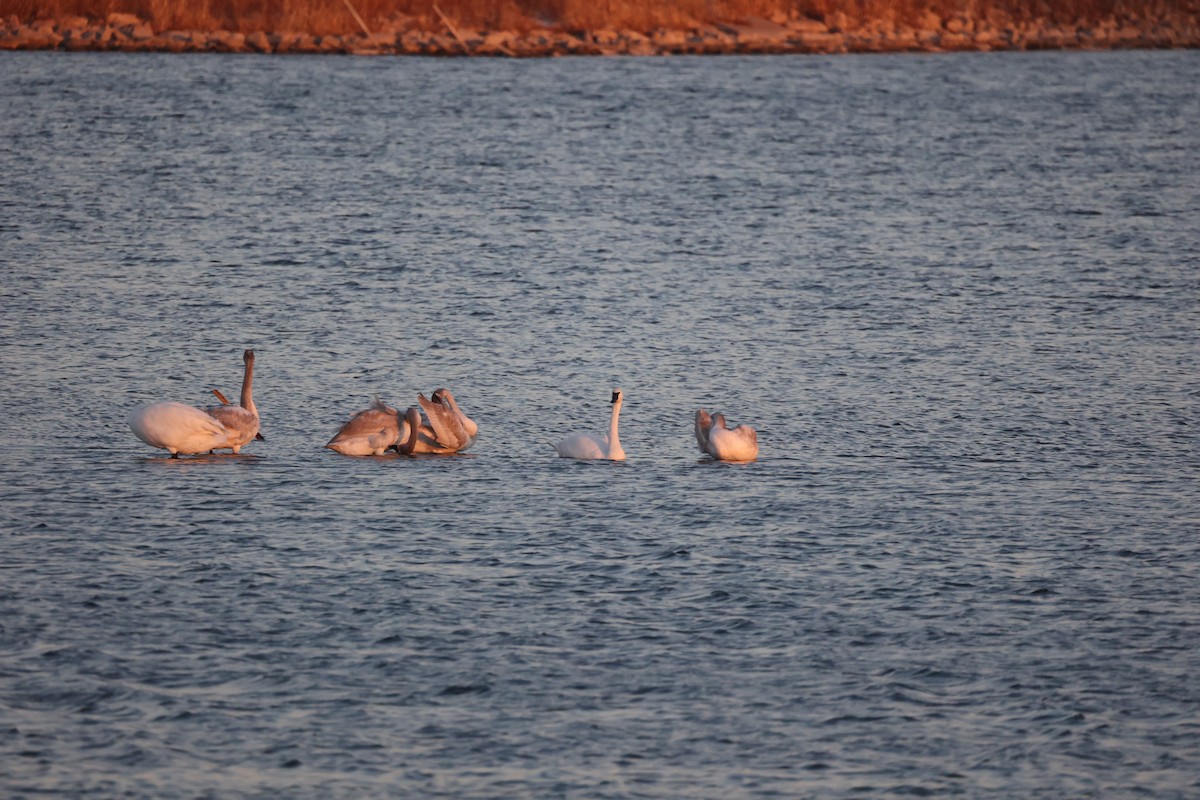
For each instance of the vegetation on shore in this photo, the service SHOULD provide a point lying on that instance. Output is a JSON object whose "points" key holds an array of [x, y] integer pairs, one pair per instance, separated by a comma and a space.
{"points": [[329, 17], [536, 28]]}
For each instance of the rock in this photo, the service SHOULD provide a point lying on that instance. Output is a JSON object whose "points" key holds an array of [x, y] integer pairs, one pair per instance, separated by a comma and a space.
{"points": [[232, 41], [806, 26], [605, 36], [336, 44], [258, 42], [756, 30], [141, 32], [117, 20], [409, 43], [668, 38], [26, 37], [905, 38], [837, 22]]}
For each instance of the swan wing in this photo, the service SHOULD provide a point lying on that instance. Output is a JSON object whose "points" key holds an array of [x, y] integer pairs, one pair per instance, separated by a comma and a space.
{"points": [[447, 428], [582, 446], [738, 444], [241, 422], [178, 428], [373, 423], [468, 424]]}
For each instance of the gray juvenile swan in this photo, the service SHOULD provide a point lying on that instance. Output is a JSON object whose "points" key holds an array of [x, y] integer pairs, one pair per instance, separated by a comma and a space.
{"points": [[369, 432]]}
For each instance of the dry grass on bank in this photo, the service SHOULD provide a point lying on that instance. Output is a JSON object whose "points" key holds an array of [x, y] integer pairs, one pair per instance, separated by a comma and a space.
{"points": [[332, 16]]}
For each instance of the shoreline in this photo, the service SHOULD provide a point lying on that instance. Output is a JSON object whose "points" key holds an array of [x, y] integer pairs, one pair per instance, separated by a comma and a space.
{"points": [[128, 33]]}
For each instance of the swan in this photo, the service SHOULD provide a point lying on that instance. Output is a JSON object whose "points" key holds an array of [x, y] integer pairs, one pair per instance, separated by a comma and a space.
{"points": [[369, 432], [723, 443], [468, 425], [178, 428], [443, 435], [586, 446], [241, 420]]}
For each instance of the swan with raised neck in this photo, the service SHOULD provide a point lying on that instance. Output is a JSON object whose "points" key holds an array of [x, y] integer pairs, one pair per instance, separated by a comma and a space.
{"points": [[241, 420], [588, 447]]}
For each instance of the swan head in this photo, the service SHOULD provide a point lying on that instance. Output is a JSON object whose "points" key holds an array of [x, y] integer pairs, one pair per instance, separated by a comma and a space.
{"points": [[616, 396], [718, 420], [248, 357]]}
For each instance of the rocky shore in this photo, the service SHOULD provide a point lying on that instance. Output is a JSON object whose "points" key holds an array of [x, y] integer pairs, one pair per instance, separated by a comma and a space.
{"points": [[834, 34]]}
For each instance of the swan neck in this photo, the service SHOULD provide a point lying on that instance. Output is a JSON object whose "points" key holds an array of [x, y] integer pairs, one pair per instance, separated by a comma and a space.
{"points": [[248, 388], [614, 442], [411, 420]]}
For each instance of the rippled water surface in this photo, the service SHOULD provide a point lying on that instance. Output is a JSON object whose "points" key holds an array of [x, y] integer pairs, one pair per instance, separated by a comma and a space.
{"points": [[957, 295]]}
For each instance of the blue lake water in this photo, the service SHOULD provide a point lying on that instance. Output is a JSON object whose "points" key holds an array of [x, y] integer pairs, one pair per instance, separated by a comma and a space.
{"points": [[957, 295]]}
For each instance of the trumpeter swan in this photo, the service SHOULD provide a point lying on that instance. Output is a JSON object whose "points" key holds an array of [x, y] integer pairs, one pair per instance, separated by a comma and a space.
{"points": [[178, 428], [587, 446], [723, 443]]}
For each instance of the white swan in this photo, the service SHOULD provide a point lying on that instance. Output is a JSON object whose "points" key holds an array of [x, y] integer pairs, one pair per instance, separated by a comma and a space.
{"points": [[178, 428], [468, 425], [722, 443], [241, 420], [586, 446], [368, 433]]}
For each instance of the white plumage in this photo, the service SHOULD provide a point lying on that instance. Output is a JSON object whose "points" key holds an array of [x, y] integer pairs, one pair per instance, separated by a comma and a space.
{"points": [[587, 446], [178, 428], [723, 443]]}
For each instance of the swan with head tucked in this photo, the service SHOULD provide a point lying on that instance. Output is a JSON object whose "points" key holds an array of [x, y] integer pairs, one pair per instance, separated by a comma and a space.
{"points": [[370, 432], [178, 428], [723, 443], [241, 420], [587, 446]]}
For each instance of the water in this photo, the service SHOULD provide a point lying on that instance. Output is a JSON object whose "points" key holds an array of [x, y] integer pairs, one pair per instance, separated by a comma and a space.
{"points": [[957, 295]]}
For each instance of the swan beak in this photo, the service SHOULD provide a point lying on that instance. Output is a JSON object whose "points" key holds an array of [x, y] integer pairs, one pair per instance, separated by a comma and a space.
{"points": [[616, 395], [260, 437]]}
